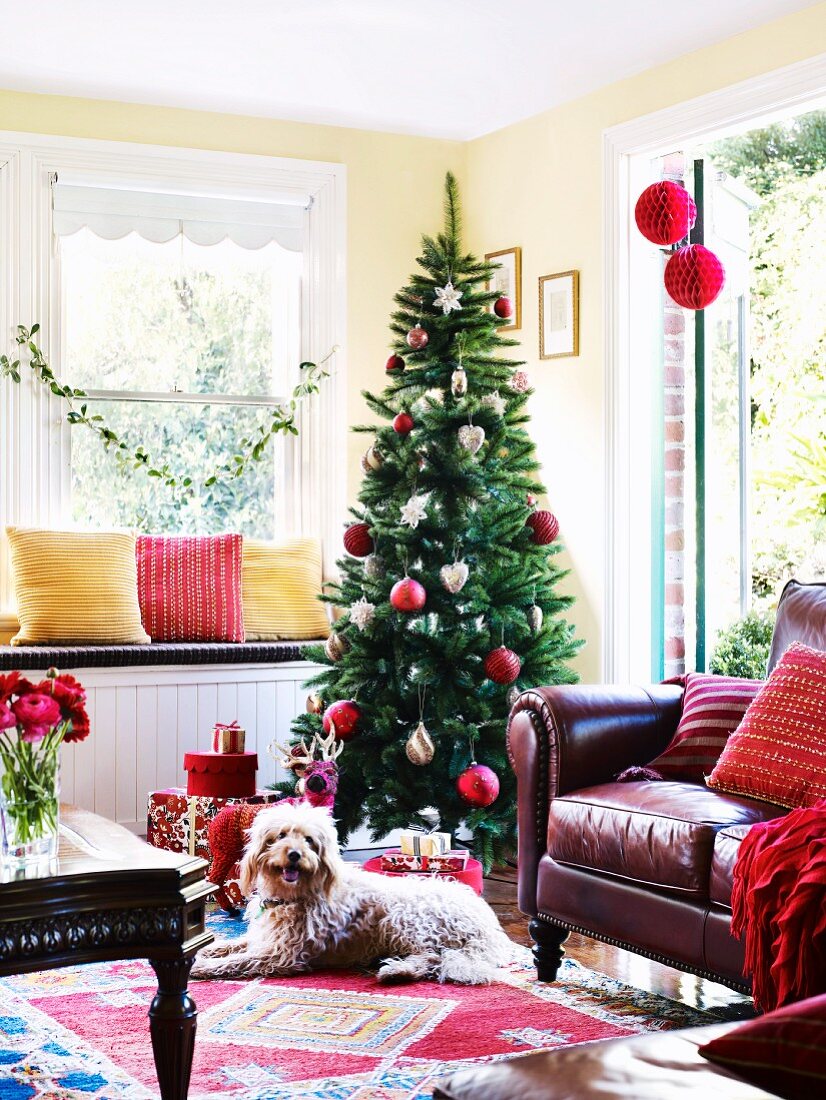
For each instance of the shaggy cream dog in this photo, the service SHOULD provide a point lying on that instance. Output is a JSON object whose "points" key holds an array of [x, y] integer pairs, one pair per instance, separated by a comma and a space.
{"points": [[313, 910]]}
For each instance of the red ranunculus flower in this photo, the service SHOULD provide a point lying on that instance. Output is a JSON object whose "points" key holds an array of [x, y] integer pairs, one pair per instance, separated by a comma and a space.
{"points": [[34, 733], [35, 710], [72, 698], [8, 719], [79, 729], [13, 684]]}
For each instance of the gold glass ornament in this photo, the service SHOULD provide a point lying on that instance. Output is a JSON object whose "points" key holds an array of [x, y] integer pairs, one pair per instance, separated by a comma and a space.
{"points": [[458, 382], [335, 647], [373, 567], [419, 748], [534, 616], [315, 704], [512, 696]]}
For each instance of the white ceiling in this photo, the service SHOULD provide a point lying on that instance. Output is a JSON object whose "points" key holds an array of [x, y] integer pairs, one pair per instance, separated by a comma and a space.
{"points": [[445, 68]]}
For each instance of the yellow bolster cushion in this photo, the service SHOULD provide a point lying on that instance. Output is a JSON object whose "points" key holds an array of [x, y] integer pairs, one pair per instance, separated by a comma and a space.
{"points": [[280, 584], [75, 586]]}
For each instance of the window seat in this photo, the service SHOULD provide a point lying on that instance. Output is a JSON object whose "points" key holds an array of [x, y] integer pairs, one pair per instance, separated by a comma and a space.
{"points": [[158, 653]]}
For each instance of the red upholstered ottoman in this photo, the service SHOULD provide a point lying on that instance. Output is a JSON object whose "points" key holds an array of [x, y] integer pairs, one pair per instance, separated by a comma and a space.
{"points": [[471, 876]]}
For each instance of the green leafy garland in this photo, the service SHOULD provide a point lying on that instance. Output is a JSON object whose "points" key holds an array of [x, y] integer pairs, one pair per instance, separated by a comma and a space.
{"points": [[282, 419]]}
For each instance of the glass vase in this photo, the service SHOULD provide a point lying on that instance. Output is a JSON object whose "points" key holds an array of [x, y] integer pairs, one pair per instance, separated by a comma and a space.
{"points": [[29, 819]]}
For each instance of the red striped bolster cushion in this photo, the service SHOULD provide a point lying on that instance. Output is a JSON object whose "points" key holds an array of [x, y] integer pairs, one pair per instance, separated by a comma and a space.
{"points": [[783, 1052], [189, 588], [713, 708]]}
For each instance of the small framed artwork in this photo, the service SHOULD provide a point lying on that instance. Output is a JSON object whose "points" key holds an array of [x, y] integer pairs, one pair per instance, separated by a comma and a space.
{"points": [[559, 315], [507, 283]]}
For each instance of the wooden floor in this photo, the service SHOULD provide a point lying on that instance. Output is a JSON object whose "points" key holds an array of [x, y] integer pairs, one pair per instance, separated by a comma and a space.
{"points": [[500, 892]]}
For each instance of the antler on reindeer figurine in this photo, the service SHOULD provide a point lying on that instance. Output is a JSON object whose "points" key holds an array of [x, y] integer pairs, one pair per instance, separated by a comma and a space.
{"points": [[316, 771]]}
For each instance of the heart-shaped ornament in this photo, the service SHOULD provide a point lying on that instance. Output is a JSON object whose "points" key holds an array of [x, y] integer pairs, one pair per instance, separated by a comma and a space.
{"points": [[454, 576], [471, 437]]}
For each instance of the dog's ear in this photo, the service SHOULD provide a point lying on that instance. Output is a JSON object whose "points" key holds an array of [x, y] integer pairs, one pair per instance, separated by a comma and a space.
{"points": [[329, 860], [249, 865]]}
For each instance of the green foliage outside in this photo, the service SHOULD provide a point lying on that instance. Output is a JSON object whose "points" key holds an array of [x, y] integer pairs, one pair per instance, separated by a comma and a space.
{"points": [[743, 648], [786, 164], [402, 666]]}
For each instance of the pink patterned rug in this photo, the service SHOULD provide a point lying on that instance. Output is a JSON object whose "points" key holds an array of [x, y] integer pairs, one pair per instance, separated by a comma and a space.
{"points": [[83, 1031]]}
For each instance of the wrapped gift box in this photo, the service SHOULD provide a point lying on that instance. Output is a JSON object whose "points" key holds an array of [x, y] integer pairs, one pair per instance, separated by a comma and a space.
{"points": [[180, 823], [221, 774], [230, 739], [413, 842], [443, 863]]}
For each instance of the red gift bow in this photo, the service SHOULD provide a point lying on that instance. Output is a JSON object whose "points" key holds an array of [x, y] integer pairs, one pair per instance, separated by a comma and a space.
{"points": [[223, 725]]}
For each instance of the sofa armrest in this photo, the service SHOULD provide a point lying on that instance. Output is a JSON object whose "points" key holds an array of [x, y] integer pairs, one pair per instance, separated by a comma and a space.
{"points": [[561, 739]]}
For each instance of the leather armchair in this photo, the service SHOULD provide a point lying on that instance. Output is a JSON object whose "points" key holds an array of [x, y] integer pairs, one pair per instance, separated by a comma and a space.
{"points": [[645, 866]]}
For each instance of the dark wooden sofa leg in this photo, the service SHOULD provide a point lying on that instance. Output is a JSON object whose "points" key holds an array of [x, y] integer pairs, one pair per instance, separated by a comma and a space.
{"points": [[547, 950]]}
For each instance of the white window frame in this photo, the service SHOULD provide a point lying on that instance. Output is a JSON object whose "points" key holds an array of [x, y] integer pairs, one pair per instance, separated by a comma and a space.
{"points": [[629, 346], [35, 473]]}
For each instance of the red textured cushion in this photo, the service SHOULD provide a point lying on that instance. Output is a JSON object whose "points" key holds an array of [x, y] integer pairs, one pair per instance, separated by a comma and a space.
{"points": [[713, 708], [783, 1052], [779, 751], [189, 588]]}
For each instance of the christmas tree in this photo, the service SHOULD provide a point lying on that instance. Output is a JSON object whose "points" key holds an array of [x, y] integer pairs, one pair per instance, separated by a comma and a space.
{"points": [[449, 584]]}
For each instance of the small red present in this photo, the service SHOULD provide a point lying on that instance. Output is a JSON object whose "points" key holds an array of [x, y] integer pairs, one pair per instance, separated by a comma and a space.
{"points": [[443, 863], [228, 738], [221, 774]]}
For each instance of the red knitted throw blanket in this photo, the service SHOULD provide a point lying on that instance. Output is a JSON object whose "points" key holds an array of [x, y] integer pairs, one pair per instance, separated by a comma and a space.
{"points": [[778, 900]]}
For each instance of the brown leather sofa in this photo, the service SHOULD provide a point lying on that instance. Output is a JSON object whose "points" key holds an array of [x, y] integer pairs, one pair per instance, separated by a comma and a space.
{"points": [[660, 1066], [645, 866]]}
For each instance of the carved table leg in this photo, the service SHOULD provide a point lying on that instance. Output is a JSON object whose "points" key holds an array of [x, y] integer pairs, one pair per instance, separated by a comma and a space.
{"points": [[547, 951], [172, 1023]]}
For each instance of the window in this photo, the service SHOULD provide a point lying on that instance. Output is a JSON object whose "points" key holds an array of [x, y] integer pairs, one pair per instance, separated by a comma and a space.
{"points": [[180, 289], [182, 346]]}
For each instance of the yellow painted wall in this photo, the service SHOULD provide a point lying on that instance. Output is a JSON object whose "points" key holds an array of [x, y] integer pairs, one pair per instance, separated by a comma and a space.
{"points": [[538, 184]]}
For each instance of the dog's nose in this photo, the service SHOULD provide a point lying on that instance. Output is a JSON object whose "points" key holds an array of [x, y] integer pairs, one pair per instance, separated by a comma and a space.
{"points": [[293, 856]]}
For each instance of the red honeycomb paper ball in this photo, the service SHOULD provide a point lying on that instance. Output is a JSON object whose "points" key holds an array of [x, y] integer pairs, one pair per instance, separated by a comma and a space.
{"points": [[545, 526], [502, 665], [665, 212], [394, 363], [503, 307], [417, 338], [478, 785], [408, 595], [357, 540], [343, 716], [694, 276], [403, 423]]}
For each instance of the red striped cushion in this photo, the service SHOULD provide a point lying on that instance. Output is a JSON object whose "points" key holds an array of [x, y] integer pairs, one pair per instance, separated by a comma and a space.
{"points": [[713, 708], [779, 752], [189, 588], [783, 1052]]}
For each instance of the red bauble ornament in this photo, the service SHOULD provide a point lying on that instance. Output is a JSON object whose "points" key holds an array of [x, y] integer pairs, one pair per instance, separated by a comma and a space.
{"points": [[408, 595], [343, 717], [503, 307], [545, 526], [665, 212], [403, 423], [357, 540], [417, 338], [478, 785], [694, 276], [502, 665], [395, 362]]}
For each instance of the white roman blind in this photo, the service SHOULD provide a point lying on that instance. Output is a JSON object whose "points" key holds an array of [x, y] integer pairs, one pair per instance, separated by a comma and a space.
{"points": [[114, 212]]}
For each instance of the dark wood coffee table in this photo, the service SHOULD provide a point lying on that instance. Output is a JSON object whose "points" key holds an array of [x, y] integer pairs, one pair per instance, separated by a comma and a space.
{"points": [[113, 897]]}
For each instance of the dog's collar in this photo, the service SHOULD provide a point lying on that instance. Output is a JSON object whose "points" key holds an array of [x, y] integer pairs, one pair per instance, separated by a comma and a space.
{"points": [[273, 903]]}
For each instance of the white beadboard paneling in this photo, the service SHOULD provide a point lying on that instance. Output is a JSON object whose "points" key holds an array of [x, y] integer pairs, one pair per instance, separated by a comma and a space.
{"points": [[127, 752], [104, 739], [165, 734], [149, 734]]}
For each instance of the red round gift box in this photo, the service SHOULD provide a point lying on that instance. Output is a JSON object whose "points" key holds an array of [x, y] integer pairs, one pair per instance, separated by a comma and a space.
{"points": [[471, 876], [221, 774]]}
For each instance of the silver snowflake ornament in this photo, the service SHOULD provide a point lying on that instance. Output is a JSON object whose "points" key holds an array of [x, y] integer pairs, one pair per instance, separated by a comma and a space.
{"points": [[415, 510], [362, 613], [447, 297]]}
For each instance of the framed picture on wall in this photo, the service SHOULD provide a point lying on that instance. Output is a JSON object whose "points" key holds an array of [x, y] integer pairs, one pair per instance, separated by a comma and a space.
{"points": [[507, 283], [559, 315]]}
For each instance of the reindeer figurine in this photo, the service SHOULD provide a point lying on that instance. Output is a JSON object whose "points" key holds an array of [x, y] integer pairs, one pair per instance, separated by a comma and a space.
{"points": [[316, 771]]}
